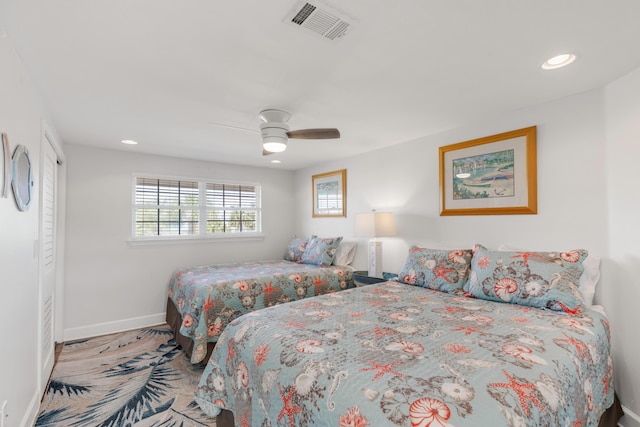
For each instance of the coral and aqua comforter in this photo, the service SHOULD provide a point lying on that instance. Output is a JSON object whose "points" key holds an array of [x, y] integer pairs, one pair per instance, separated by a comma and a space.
{"points": [[399, 355], [209, 297]]}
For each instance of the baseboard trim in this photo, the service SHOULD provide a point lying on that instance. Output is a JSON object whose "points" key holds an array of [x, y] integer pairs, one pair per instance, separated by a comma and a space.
{"points": [[113, 327], [30, 415], [629, 419]]}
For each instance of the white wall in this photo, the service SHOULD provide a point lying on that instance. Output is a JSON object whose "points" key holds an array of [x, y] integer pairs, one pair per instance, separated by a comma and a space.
{"points": [[622, 267], [574, 177], [405, 179], [20, 119], [587, 146], [111, 285]]}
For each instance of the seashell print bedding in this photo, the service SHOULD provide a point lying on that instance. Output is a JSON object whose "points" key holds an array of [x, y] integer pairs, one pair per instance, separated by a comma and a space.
{"points": [[393, 354], [209, 297]]}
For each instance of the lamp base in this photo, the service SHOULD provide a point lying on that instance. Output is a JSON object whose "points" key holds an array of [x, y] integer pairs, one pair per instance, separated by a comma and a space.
{"points": [[375, 258]]}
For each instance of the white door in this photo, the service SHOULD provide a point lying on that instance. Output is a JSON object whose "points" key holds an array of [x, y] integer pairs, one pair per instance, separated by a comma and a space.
{"points": [[46, 303]]}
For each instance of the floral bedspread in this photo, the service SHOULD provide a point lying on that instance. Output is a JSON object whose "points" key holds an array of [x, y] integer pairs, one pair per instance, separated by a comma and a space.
{"points": [[209, 297], [399, 355]]}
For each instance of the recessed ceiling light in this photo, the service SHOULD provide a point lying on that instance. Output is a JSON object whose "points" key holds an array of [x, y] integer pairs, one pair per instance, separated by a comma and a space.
{"points": [[276, 161], [559, 61], [129, 142]]}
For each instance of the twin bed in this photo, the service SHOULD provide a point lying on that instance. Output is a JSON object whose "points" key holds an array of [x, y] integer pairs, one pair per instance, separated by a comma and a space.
{"points": [[202, 300], [471, 338]]}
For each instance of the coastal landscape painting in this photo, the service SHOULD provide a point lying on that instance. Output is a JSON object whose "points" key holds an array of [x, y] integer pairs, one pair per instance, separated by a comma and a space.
{"points": [[494, 175], [484, 176]]}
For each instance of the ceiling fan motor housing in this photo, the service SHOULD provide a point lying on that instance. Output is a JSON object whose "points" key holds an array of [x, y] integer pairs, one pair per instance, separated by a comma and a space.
{"points": [[274, 136]]}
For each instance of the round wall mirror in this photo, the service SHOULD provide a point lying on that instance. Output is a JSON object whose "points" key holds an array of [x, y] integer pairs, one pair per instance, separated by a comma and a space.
{"points": [[21, 177]]}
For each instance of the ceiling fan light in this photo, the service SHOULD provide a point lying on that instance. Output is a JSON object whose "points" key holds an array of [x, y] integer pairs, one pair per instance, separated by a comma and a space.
{"points": [[274, 144]]}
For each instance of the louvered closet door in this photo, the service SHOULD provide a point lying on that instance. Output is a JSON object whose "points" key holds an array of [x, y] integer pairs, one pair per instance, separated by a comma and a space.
{"points": [[48, 193]]}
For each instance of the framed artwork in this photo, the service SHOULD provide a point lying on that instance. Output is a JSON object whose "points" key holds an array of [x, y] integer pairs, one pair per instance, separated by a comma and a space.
{"points": [[494, 175], [329, 194]]}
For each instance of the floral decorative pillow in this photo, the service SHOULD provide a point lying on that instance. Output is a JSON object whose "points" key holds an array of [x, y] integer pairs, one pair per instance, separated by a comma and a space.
{"points": [[588, 280], [535, 279], [441, 270], [296, 248], [320, 251]]}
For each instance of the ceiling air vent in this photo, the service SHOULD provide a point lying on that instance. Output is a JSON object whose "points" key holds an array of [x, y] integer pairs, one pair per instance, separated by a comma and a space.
{"points": [[320, 19]]}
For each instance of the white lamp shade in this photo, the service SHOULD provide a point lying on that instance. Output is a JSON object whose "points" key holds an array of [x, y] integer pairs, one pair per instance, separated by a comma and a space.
{"points": [[375, 224]]}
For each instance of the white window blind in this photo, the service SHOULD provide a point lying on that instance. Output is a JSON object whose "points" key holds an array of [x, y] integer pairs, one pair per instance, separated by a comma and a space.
{"points": [[180, 207], [232, 208]]}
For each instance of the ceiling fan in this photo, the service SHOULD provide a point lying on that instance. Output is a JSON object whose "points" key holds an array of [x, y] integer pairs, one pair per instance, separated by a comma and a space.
{"points": [[275, 131]]}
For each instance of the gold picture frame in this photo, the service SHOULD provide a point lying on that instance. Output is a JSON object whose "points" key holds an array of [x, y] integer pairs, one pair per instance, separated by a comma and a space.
{"points": [[329, 194], [494, 175]]}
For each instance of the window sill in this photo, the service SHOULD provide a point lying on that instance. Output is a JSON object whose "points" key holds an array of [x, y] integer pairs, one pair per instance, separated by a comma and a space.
{"points": [[151, 241]]}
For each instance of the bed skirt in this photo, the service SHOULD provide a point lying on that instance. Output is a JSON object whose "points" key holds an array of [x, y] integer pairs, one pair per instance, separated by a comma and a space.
{"points": [[609, 418], [174, 319]]}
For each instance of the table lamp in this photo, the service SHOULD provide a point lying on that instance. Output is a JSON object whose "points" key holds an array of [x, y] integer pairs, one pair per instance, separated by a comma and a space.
{"points": [[375, 225]]}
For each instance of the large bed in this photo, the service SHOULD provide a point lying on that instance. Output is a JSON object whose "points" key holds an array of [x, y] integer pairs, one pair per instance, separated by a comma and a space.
{"points": [[202, 300], [422, 354]]}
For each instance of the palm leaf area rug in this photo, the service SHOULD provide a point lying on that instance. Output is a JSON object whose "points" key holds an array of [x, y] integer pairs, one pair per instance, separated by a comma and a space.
{"points": [[136, 378]]}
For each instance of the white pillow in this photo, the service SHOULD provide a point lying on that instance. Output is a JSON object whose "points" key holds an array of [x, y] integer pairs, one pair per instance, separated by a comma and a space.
{"points": [[588, 279], [346, 253]]}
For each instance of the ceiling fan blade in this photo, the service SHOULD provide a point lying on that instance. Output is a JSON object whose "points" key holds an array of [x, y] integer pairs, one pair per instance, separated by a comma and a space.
{"points": [[266, 153], [329, 133], [234, 127]]}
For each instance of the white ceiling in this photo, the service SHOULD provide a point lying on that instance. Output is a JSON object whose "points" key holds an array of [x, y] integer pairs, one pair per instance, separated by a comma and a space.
{"points": [[162, 71]]}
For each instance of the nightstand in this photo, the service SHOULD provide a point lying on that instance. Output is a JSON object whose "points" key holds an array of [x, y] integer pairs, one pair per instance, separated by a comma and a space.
{"points": [[362, 278]]}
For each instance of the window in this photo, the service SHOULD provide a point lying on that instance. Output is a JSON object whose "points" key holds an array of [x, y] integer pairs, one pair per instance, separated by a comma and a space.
{"points": [[177, 207], [231, 208]]}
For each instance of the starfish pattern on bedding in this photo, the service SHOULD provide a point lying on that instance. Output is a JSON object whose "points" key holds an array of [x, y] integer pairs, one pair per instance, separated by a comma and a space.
{"points": [[288, 409], [208, 304], [317, 283], [525, 256], [580, 347], [442, 272], [468, 330], [267, 290], [570, 311], [382, 369], [522, 390]]}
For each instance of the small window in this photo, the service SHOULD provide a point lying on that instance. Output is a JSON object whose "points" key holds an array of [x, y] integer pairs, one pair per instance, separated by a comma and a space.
{"points": [[177, 207]]}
